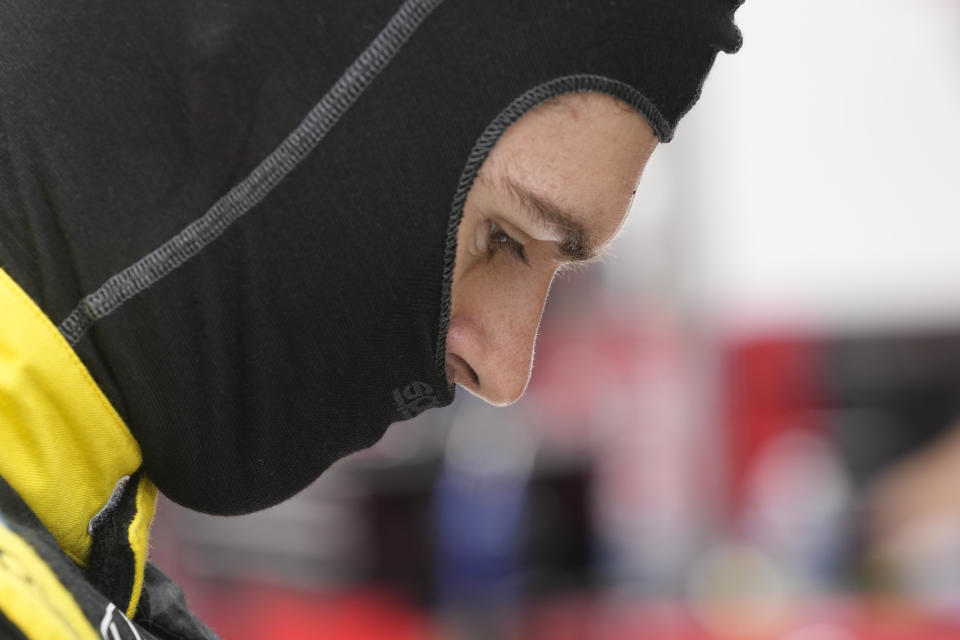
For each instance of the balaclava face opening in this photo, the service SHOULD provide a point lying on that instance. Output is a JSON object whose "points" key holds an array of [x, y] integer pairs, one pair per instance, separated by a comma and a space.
{"points": [[244, 217]]}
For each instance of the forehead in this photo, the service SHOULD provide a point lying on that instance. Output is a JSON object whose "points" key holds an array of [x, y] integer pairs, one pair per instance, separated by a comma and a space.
{"points": [[583, 153]]}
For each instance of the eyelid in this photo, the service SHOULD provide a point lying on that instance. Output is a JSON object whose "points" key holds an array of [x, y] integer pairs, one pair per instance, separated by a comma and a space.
{"points": [[513, 231], [516, 247], [551, 235]]}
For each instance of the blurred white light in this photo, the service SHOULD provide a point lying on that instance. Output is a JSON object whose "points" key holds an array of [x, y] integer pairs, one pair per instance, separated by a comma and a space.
{"points": [[817, 179]]}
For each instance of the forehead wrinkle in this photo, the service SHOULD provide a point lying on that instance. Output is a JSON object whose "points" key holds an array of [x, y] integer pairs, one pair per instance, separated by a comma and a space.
{"points": [[575, 245]]}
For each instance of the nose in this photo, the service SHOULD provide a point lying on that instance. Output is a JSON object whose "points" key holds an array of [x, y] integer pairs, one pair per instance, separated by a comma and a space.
{"points": [[493, 328]]}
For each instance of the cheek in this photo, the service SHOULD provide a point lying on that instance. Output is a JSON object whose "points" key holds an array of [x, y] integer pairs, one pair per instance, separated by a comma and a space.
{"points": [[499, 282], [501, 298]]}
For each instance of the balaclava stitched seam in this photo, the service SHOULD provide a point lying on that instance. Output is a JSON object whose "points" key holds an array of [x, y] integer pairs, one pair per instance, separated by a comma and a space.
{"points": [[296, 318]]}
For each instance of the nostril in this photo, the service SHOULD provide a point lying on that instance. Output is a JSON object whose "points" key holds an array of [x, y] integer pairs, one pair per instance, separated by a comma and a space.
{"points": [[460, 370]]}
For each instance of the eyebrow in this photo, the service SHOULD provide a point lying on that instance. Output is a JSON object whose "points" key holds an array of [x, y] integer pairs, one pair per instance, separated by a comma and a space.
{"points": [[574, 244]]}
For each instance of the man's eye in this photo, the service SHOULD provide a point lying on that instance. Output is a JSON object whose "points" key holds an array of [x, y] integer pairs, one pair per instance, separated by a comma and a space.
{"points": [[500, 239]]}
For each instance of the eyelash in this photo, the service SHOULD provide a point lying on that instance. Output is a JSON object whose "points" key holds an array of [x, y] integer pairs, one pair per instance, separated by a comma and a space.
{"points": [[500, 239]]}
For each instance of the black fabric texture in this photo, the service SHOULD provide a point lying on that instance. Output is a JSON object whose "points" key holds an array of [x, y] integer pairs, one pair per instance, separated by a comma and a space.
{"points": [[8, 631], [111, 562], [162, 613], [317, 317], [20, 519]]}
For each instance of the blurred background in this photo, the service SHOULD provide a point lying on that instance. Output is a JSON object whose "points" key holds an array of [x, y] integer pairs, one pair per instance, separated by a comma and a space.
{"points": [[743, 425]]}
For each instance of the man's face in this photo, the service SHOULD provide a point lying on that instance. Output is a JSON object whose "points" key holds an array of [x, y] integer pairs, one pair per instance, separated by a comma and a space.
{"points": [[553, 192]]}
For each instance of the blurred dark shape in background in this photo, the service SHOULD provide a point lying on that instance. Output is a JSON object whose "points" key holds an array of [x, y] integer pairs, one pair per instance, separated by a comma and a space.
{"points": [[601, 509]]}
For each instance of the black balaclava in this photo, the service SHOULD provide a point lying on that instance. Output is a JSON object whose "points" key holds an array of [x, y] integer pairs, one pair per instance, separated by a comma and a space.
{"points": [[243, 215]]}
